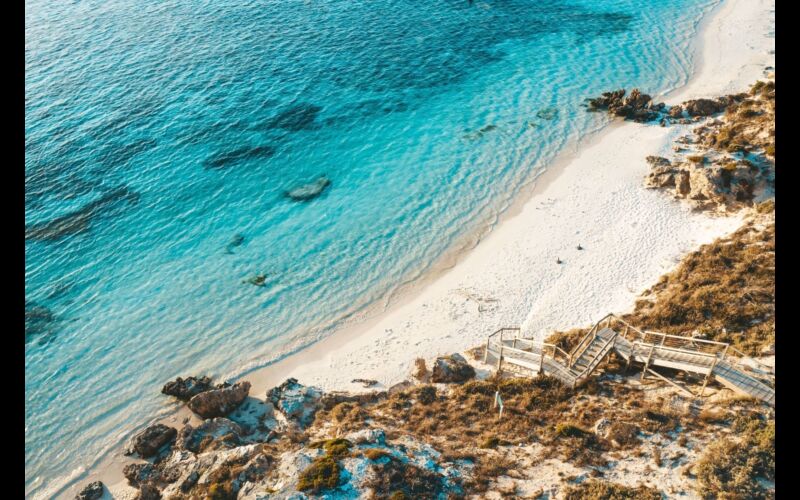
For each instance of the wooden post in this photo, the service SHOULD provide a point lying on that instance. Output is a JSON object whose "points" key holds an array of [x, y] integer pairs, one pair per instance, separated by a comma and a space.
{"points": [[725, 351], [630, 356], [541, 361], [647, 363], [500, 358], [486, 352], [514, 343]]}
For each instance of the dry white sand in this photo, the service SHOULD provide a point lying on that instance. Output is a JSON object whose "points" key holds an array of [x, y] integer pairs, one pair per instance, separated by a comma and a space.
{"points": [[594, 198]]}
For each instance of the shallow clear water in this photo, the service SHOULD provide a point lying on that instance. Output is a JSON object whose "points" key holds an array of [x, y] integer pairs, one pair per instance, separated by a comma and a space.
{"points": [[157, 131]]}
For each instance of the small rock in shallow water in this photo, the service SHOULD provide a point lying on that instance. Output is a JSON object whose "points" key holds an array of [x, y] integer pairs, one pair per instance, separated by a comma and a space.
{"points": [[309, 191], [238, 240]]}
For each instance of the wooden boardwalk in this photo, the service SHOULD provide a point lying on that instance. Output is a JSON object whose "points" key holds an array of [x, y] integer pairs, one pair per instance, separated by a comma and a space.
{"points": [[713, 360]]}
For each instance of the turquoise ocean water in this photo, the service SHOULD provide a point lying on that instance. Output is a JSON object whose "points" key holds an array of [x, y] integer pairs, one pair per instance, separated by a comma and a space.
{"points": [[156, 132]]}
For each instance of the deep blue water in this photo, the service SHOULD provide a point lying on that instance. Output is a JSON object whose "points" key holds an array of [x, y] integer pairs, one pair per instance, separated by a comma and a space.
{"points": [[156, 132]]}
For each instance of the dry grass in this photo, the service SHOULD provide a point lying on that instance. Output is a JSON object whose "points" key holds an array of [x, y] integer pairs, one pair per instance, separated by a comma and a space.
{"points": [[595, 489], [731, 468], [725, 291], [397, 479]]}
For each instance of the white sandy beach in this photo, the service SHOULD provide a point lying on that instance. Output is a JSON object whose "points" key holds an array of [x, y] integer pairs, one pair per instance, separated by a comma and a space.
{"points": [[594, 197]]}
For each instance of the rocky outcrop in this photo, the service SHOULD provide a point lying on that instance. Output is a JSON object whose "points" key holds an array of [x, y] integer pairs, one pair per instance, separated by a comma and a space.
{"points": [[727, 162], [703, 107], [148, 442], [219, 402], [636, 106], [186, 389], [212, 434], [453, 369], [91, 491], [139, 473], [295, 401], [657, 161]]}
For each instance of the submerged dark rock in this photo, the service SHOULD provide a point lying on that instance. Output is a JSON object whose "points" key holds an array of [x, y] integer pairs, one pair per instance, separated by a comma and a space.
{"points": [[91, 491], [186, 389], [236, 241], [78, 221], [547, 113], [302, 116], [224, 158], [309, 191], [257, 280], [38, 319]]}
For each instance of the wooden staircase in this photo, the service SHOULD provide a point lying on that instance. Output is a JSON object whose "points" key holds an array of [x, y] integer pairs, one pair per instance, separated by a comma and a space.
{"points": [[718, 360]]}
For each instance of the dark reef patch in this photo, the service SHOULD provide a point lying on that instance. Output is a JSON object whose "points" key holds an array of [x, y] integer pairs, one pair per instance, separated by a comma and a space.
{"points": [[79, 221], [299, 117], [224, 158], [39, 320]]}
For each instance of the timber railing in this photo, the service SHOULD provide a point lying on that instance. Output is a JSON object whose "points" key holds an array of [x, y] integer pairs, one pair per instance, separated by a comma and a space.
{"points": [[701, 352]]}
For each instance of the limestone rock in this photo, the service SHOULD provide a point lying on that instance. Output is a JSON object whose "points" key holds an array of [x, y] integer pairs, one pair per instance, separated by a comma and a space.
{"points": [[219, 402], [295, 401], [658, 161], [601, 427], [452, 369], [215, 433], [367, 436], [137, 474]]}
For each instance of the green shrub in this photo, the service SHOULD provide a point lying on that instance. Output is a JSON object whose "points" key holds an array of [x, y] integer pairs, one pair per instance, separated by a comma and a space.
{"points": [[322, 474], [335, 448]]}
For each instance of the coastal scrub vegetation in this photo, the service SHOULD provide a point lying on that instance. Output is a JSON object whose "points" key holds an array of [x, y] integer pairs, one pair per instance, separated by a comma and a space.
{"points": [[594, 489], [733, 467]]}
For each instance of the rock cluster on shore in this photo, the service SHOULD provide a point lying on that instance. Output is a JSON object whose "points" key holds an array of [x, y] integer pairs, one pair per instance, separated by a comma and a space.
{"points": [[728, 162]]}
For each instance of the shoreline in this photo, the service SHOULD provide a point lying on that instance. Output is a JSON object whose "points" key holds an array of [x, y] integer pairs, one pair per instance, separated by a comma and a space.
{"points": [[440, 311]]}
